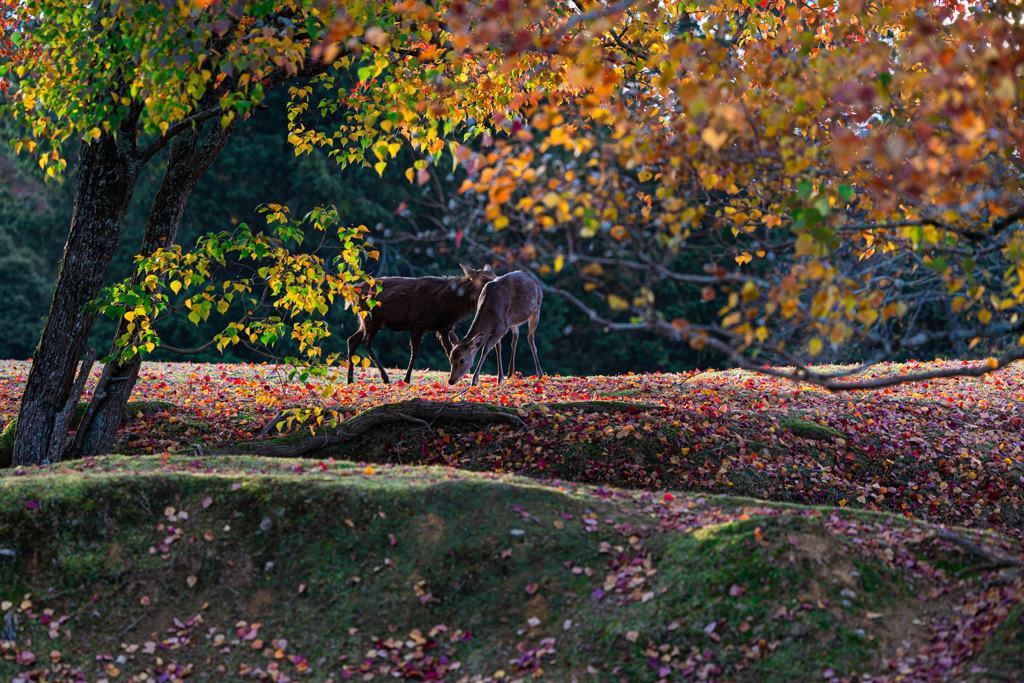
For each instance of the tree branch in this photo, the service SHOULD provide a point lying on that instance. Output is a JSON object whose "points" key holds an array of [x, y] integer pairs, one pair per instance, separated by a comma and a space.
{"points": [[185, 352], [177, 129]]}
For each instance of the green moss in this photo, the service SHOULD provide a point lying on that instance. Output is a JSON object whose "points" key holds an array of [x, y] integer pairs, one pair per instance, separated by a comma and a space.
{"points": [[7, 442], [809, 430]]}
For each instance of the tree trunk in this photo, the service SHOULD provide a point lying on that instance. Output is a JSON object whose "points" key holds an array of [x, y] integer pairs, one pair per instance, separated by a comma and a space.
{"points": [[107, 171], [186, 163]]}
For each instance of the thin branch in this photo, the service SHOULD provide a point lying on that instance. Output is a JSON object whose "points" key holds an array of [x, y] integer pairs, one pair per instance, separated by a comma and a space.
{"points": [[185, 352], [569, 24], [802, 374]]}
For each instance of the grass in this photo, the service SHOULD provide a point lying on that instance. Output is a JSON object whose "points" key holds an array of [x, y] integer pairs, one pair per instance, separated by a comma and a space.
{"points": [[338, 561]]}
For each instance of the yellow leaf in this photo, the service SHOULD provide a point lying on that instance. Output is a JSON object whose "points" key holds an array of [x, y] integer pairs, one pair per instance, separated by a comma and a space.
{"points": [[805, 245], [366, 362], [379, 167], [713, 139], [175, 286], [815, 346], [369, 470], [559, 263], [617, 303]]}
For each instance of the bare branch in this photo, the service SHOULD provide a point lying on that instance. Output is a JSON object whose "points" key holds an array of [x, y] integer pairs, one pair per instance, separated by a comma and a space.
{"points": [[185, 352]]}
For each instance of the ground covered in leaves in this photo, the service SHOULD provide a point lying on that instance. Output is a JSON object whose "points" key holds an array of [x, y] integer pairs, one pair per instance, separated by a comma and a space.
{"points": [[949, 451], [173, 567]]}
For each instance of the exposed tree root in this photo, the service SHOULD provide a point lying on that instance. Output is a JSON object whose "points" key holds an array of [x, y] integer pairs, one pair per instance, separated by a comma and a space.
{"points": [[414, 411], [420, 413], [993, 561]]}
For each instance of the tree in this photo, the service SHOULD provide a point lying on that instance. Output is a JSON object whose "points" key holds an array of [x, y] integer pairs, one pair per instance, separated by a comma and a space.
{"points": [[845, 169], [102, 73], [130, 80]]}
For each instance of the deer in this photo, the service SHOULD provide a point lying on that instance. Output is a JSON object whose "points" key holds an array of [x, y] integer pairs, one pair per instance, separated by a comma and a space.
{"points": [[505, 303], [417, 305]]}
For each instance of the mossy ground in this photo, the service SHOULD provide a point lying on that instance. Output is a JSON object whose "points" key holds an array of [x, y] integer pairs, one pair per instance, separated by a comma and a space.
{"points": [[332, 558]]}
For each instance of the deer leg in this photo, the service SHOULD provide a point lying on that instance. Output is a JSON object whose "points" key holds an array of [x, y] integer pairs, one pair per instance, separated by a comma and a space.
{"points": [[497, 347], [512, 360], [367, 342], [442, 335], [534, 320], [353, 343], [414, 347], [487, 349]]}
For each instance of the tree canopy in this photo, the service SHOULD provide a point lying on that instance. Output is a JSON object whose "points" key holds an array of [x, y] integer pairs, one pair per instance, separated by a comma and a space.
{"points": [[846, 171]]}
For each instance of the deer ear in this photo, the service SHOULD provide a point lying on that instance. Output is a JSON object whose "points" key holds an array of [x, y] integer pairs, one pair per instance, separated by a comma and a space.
{"points": [[478, 340], [452, 337], [487, 268], [465, 269]]}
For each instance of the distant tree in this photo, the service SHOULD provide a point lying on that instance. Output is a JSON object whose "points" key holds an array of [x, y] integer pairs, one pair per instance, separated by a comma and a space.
{"points": [[838, 178]]}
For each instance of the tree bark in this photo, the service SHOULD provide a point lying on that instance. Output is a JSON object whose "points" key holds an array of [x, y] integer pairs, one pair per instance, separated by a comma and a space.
{"points": [[186, 163], [107, 171]]}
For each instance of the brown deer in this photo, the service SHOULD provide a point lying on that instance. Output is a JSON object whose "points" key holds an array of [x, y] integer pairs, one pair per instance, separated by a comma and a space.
{"points": [[506, 303], [419, 305]]}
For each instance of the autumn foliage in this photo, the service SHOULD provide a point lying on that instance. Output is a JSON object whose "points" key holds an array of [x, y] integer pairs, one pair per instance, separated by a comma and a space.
{"points": [[841, 171]]}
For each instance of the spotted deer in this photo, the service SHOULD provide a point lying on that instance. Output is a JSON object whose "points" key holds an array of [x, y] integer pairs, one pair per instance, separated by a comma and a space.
{"points": [[505, 303], [419, 305]]}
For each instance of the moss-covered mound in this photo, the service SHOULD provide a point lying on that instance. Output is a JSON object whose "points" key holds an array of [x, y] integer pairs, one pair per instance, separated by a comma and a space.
{"points": [[243, 568]]}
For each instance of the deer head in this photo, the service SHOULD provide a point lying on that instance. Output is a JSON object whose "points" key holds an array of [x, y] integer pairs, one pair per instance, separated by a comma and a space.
{"points": [[477, 278], [462, 356]]}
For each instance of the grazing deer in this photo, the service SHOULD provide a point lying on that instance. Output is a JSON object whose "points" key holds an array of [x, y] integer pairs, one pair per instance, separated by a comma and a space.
{"points": [[419, 305], [506, 303]]}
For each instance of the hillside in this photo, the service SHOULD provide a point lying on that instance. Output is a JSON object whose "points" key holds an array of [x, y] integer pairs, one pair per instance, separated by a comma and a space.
{"points": [[604, 528], [949, 451], [159, 568]]}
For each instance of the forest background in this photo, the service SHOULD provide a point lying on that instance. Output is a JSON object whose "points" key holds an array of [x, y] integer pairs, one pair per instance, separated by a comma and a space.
{"points": [[416, 228]]}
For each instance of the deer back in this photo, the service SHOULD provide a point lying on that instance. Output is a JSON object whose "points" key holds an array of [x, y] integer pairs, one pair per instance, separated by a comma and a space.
{"points": [[508, 301], [426, 303]]}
